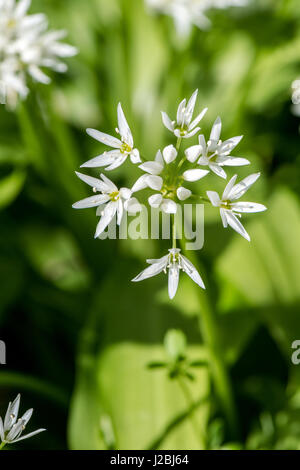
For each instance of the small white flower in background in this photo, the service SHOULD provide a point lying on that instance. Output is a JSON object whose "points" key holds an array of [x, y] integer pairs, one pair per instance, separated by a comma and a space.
{"points": [[215, 153], [296, 97], [229, 209], [187, 13], [26, 47], [173, 262], [122, 147], [12, 426], [168, 175], [184, 126], [157, 178], [115, 201]]}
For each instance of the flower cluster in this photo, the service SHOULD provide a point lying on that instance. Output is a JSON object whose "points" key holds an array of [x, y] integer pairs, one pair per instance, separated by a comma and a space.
{"points": [[11, 427], [186, 13], [26, 47], [166, 177]]}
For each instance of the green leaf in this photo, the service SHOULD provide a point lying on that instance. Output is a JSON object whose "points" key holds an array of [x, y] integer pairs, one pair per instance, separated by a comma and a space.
{"points": [[11, 186]]}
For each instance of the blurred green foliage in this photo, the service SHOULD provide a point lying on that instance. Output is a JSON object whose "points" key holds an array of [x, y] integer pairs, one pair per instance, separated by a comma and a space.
{"points": [[79, 336]]}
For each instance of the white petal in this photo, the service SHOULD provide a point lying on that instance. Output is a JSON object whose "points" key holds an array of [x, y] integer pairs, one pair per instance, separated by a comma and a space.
{"points": [[191, 271], [38, 75], [223, 217], [236, 224], [214, 198], [120, 211], [191, 103], [92, 201], [167, 121], [154, 182], [106, 158], [116, 162], [155, 200], [141, 183], [93, 182], [154, 168], [169, 153], [125, 193], [159, 158], [216, 130], [180, 111], [229, 144], [173, 279], [192, 153], [21, 8], [183, 193], [194, 175], [198, 119], [31, 434], [104, 138], [123, 127], [229, 187], [248, 207], [107, 216], [157, 267], [218, 170], [239, 189], [135, 156], [191, 133], [235, 161], [1, 430], [168, 206], [112, 187], [27, 415]]}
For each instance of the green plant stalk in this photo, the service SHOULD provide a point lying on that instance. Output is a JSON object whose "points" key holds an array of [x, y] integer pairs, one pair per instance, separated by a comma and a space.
{"points": [[209, 328], [191, 404], [2, 445]]}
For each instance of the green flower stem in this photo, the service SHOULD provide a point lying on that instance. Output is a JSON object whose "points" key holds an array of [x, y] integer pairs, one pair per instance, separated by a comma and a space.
{"points": [[179, 140], [209, 329], [2, 445], [192, 417], [174, 232]]}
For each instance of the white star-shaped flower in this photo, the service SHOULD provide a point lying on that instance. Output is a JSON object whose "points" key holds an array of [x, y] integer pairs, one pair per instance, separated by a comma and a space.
{"points": [[173, 262], [169, 188], [229, 209], [215, 154], [113, 200], [123, 147], [12, 427], [184, 126], [26, 48]]}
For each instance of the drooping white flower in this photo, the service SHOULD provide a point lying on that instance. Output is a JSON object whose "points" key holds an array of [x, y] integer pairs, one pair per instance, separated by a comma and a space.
{"points": [[26, 48], [187, 13], [169, 188], [111, 201], [229, 209], [12, 427], [184, 126], [215, 154], [173, 262], [296, 91], [123, 147]]}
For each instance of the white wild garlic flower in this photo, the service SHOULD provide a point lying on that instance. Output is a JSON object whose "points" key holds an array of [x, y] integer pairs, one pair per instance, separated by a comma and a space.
{"points": [[12, 427], [187, 13], [27, 48], [168, 181]]}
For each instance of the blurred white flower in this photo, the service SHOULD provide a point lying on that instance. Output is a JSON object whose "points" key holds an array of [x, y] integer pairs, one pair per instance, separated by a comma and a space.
{"points": [[184, 127], [174, 262], [158, 178], [12, 427], [113, 200], [122, 147], [215, 153], [26, 48], [229, 209], [186, 13]]}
